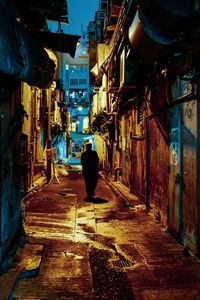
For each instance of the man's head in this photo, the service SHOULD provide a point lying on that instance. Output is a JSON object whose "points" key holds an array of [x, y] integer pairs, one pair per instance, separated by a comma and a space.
{"points": [[88, 146]]}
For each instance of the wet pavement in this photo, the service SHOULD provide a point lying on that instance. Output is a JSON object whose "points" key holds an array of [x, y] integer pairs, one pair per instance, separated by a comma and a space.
{"points": [[110, 247]]}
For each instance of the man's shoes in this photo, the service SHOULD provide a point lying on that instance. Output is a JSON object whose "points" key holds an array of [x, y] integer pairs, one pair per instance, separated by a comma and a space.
{"points": [[90, 196]]}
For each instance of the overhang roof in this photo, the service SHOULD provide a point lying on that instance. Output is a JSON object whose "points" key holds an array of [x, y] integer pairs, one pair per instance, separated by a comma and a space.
{"points": [[60, 42], [23, 24], [49, 9]]}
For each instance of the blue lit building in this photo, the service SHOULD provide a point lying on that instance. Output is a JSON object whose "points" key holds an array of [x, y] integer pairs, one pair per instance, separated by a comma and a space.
{"points": [[76, 87]]}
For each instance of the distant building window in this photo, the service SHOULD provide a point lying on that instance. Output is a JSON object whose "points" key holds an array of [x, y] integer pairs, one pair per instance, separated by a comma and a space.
{"points": [[73, 69], [82, 69], [82, 81], [73, 81], [101, 14]]}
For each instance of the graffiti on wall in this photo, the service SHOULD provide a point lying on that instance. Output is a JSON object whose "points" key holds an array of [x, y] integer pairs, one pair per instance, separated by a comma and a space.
{"points": [[174, 146]]}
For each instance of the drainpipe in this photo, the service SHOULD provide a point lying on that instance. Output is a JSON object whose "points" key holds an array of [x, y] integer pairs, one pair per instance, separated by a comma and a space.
{"points": [[107, 94], [49, 162], [147, 162]]}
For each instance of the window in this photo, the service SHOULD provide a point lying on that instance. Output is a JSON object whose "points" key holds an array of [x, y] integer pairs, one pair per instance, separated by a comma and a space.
{"points": [[73, 81], [73, 69], [139, 119], [83, 69], [82, 81]]}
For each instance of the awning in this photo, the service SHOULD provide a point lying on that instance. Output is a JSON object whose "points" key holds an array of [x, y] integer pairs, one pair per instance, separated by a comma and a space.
{"points": [[95, 70], [65, 43], [21, 56], [52, 56], [166, 21], [160, 24], [56, 10], [101, 71], [141, 42], [36, 66]]}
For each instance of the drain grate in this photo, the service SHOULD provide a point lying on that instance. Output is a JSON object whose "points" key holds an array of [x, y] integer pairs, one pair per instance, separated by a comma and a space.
{"points": [[122, 263]]}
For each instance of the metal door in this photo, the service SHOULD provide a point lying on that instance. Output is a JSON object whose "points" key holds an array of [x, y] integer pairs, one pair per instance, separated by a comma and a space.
{"points": [[175, 175]]}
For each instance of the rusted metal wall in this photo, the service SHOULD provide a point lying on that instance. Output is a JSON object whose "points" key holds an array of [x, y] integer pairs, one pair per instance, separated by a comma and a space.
{"points": [[133, 155], [182, 176], [189, 134], [157, 162], [138, 170], [183, 162], [126, 149], [175, 173], [138, 153]]}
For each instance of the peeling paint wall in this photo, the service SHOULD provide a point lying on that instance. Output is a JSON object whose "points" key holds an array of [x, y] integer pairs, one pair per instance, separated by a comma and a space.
{"points": [[126, 149], [100, 148], [138, 171], [175, 190], [157, 163], [183, 161], [189, 134], [138, 157], [33, 128]]}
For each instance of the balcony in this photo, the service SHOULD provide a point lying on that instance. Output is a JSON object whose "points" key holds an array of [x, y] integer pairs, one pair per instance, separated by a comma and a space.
{"points": [[111, 18]]}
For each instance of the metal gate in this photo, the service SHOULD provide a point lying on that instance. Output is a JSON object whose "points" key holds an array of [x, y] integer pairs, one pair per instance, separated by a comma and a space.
{"points": [[175, 175]]}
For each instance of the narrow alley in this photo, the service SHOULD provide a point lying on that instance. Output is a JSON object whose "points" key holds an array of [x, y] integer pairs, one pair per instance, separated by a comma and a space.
{"points": [[97, 249], [109, 87]]}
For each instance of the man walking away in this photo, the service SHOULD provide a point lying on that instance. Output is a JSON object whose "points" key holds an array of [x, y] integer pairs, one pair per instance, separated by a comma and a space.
{"points": [[89, 161]]}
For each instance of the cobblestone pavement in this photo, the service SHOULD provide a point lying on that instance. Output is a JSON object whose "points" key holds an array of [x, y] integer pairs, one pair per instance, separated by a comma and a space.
{"points": [[102, 248]]}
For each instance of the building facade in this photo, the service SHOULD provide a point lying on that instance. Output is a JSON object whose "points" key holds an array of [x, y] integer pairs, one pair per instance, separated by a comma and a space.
{"points": [[148, 116], [30, 109]]}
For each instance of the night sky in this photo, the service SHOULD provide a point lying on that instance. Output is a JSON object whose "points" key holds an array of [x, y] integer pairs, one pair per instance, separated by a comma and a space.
{"points": [[80, 13]]}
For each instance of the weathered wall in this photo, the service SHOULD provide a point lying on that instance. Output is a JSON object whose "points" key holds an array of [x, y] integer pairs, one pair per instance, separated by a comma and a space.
{"points": [[100, 148], [189, 153], [183, 162], [175, 170], [138, 171], [11, 115], [33, 128], [138, 154], [126, 127], [157, 162]]}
